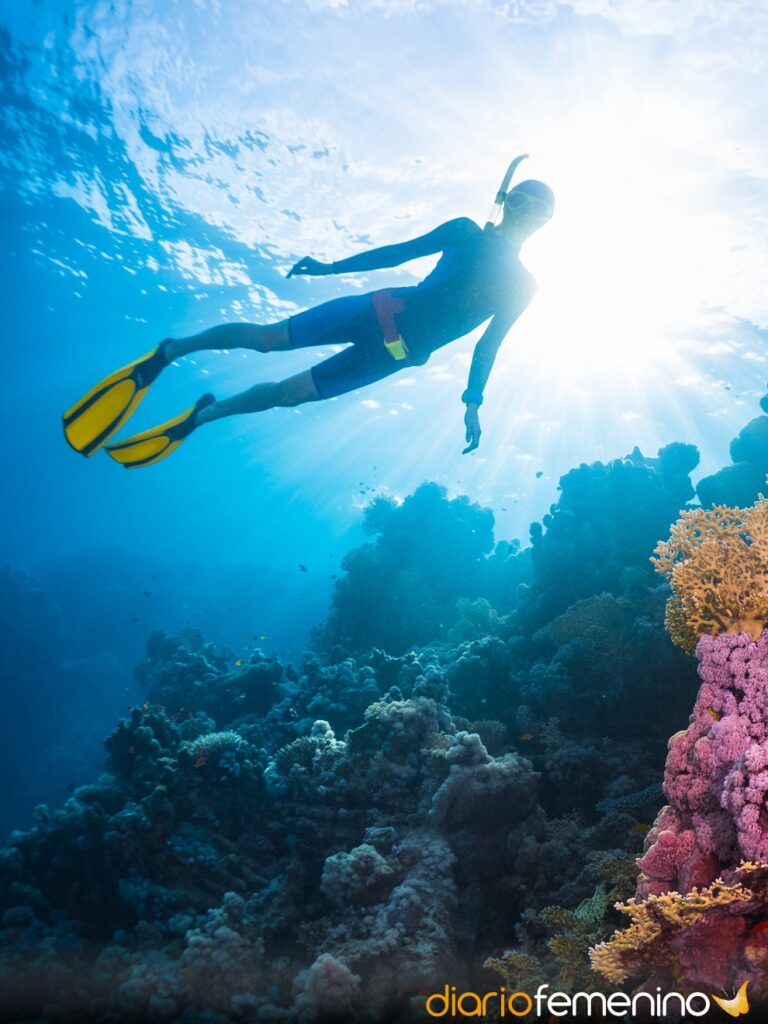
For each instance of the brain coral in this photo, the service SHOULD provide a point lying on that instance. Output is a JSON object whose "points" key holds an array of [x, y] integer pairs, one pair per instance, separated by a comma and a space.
{"points": [[717, 563]]}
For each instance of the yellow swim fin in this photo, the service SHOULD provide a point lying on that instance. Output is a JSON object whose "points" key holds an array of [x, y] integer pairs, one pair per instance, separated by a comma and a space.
{"points": [[158, 442], [96, 417]]}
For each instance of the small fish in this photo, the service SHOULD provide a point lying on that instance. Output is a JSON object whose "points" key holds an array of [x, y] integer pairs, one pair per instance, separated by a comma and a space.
{"points": [[526, 737], [71, 789], [201, 761], [540, 474], [640, 828], [131, 750], [760, 927], [147, 593], [238, 663], [333, 576], [303, 568], [717, 715], [134, 619], [153, 577]]}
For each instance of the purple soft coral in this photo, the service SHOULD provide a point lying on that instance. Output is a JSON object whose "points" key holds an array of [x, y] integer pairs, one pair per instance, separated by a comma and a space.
{"points": [[716, 776]]}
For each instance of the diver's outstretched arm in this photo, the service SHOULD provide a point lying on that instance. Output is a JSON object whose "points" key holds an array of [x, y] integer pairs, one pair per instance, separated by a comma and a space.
{"points": [[485, 350], [482, 363], [450, 233], [484, 356]]}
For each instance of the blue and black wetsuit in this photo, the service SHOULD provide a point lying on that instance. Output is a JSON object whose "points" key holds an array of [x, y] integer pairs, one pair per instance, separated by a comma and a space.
{"points": [[478, 276]]}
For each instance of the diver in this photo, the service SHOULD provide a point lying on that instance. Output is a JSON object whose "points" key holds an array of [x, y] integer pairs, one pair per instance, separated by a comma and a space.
{"points": [[478, 277]]}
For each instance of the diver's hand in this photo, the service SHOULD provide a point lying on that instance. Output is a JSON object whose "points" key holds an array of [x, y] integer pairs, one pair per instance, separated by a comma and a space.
{"points": [[472, 423], [311, 267]]}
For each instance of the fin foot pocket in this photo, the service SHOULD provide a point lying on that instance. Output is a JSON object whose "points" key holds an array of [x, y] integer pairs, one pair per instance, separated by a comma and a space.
{"points": [[157, 443]]}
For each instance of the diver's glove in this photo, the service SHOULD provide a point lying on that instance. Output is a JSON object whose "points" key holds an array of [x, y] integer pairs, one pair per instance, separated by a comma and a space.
{"points": [[311, 267]]}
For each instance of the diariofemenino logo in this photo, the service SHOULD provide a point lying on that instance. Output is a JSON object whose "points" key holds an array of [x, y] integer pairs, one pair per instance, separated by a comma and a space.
{"points": [[508, 1005]]}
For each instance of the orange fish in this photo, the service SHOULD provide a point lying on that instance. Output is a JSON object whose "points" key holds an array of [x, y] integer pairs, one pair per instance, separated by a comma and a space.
{"points": [[640, 828], [761, 926], [717, 715], [527, 737], [201, 761]]}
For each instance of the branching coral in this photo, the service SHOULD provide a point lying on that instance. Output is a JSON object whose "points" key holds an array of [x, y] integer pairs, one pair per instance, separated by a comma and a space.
{"points": [[717, 563], [707, 936]]}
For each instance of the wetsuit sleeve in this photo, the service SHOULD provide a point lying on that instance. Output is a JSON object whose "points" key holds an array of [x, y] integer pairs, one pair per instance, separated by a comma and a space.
{"points": [[451, 233], [485, 350]]}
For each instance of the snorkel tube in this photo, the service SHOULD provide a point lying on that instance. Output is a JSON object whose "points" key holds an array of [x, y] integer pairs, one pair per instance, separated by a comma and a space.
{"points": [[501, 195]]}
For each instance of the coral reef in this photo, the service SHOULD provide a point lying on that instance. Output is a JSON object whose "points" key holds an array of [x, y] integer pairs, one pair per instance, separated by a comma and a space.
{"points": [[699, 914], [710, 936], [716, 563], [400, 589], [605, 523], [739, 484], [715, 778], [461, 770], [343, 851]]}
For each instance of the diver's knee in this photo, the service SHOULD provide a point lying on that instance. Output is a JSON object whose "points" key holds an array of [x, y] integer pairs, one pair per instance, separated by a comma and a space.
{"points": [[297, 390], [271, 337]]}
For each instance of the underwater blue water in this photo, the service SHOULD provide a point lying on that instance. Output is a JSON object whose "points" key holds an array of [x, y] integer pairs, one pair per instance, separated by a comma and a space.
{"points": [[163, 164], [364, 707]]}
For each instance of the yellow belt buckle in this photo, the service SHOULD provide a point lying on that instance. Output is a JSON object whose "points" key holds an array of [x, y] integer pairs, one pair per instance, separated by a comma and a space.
{"points": [[397, 348]]}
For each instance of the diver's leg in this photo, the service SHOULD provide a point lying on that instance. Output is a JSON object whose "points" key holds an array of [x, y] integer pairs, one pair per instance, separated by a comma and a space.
{"points": [[329, 322], [260, 337], [284, 394]]}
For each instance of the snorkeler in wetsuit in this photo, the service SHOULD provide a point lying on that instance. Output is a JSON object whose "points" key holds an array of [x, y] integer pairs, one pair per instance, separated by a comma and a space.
{"points": [[478, 277]]}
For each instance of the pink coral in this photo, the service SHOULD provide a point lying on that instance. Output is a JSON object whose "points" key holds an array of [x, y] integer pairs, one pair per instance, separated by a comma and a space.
{"points": [[716, 776], [700, 913], [709, 949]]}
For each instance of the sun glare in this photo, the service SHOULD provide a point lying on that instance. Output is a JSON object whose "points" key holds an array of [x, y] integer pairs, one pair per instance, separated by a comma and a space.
{"points": [[624, 266]]}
